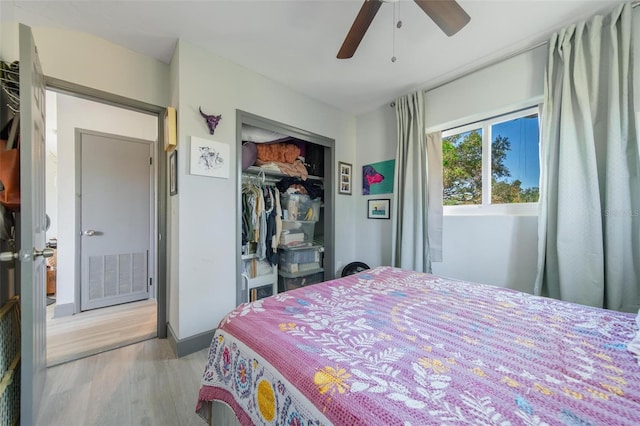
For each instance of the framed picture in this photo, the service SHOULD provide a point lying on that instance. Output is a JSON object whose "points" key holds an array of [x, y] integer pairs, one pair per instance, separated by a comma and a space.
{"points": [[345, 178], [210, 158], [173, 173], [378, 209], [377, 178]]}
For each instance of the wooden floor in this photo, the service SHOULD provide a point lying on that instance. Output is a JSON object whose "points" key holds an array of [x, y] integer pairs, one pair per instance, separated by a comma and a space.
{"points": [[140, 384], [98, 330]]}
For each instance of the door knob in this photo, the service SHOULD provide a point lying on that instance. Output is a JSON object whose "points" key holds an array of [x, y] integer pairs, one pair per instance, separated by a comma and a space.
{"points": [[46, 252], [8, 256], [89, 233]]}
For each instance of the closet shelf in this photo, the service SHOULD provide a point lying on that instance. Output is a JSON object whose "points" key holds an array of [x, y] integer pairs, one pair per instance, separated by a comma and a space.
{"points": [[255, 170]]}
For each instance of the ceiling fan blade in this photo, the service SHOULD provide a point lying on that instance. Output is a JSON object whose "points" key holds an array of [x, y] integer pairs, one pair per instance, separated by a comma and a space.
{"points": [[447, 14], [359, 28]]}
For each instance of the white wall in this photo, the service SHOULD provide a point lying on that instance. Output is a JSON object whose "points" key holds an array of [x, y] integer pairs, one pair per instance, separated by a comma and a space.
{"points": [[510, 84], [76, 113], [52, 164], [376, 141], [90, 61], [499, 250], [9, 52], [207, 217], [9, 48], [93, 62]]}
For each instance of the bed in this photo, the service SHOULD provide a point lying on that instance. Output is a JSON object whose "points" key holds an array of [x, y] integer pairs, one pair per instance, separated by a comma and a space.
{"points": [[395, 347]]}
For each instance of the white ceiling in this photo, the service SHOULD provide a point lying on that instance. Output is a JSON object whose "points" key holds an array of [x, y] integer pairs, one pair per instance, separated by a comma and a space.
{"points": [[295, 42]]}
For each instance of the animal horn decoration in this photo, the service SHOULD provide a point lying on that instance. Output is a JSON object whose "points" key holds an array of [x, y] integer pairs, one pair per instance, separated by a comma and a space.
{"points": [[212, 120]]}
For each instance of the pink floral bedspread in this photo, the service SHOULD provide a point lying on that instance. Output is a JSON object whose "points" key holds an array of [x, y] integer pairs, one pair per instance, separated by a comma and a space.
{"points": [[392, 347]]}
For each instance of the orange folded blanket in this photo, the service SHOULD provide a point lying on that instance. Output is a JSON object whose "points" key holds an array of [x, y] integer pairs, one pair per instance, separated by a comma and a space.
{"points": [[281, 152]]}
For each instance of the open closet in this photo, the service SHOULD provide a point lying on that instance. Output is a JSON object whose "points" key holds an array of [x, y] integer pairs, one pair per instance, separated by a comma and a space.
{"points": [[285, 203]]}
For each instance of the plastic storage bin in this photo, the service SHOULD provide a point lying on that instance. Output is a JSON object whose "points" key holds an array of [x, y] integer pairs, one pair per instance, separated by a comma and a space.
{"points": [[297, 233], [288, 282], [300, 207], [296, 260]]}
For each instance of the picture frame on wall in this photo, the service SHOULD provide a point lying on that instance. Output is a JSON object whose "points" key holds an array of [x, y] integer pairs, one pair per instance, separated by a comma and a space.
{"points": [[210, 158], [377, 178], [173, 173], [345, 178], [379, 208]]}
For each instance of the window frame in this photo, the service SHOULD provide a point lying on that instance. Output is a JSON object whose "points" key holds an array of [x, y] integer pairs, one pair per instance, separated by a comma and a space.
{"points": [[487, 208]]}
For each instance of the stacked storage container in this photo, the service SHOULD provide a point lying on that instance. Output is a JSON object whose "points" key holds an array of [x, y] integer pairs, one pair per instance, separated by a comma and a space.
{"points": [[300, 214], [301, 261]]}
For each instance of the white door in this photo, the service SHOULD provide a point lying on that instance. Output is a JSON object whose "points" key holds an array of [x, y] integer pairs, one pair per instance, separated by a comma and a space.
{"points": [[115, 218], [31, 227]]}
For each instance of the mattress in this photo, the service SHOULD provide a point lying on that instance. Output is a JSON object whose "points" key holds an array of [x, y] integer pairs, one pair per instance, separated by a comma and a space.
{"points": [[395, 347]]}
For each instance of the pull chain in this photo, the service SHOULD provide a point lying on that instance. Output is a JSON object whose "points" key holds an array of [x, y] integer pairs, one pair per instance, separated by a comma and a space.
{"points": [[396, 24], [393, 38]]}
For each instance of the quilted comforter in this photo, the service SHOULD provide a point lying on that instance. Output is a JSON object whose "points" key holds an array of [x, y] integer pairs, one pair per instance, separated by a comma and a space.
{"points": [[393, 347]]}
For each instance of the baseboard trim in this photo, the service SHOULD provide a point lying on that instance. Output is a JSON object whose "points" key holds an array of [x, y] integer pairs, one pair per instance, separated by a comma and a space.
{"points": [[63, 310], [171, 337], [189, 345]]}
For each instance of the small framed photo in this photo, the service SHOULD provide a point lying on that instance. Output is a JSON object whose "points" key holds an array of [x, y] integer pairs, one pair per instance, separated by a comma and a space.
{"points": [[173, 173], [378, 208], [345, 178]]}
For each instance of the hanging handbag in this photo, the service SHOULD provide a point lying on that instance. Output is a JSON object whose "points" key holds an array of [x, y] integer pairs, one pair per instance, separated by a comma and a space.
{"points": [[10, 165]]}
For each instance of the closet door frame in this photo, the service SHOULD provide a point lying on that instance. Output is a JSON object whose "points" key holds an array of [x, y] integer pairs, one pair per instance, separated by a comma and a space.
{"points": [[243, 117]]}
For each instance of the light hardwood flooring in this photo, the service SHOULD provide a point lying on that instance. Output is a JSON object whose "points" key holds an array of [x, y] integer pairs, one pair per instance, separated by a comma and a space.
{"points": [[140, 384], [91, 332]]}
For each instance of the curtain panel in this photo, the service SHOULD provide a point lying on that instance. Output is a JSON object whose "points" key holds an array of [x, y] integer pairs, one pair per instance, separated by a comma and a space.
{"points": [[589, 218], [417, 207]]}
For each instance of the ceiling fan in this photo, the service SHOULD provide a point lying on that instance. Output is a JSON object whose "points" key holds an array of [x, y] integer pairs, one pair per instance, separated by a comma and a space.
{"points": [[447, 14]]}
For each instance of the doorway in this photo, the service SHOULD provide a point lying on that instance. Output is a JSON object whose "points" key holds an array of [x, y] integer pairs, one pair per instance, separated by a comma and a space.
{"points": [[104, 124]]}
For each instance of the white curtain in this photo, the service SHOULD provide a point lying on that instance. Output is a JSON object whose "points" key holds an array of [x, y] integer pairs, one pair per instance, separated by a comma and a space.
{"points": [[589, 221], [417, 206]]}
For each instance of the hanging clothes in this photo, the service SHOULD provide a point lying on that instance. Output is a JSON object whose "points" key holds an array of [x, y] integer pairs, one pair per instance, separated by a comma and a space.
{"points": [[249, 216], [262, 226], [261, 220], [271, 254], [276, 237]]}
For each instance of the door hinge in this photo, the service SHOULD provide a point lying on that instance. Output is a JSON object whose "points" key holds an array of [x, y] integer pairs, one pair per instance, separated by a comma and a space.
{"points": [[150, 282], [151, 161]]}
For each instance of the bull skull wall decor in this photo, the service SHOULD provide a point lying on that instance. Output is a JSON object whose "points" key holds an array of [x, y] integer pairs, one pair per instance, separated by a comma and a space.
{"points": [[212, 120]]}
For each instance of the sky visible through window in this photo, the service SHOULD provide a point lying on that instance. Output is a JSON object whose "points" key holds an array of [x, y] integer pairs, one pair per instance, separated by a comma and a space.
{"points": [[522, 160]]}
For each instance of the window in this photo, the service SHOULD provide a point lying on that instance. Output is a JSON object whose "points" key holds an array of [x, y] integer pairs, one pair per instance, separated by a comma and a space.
{"points": [[495, 161]]}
